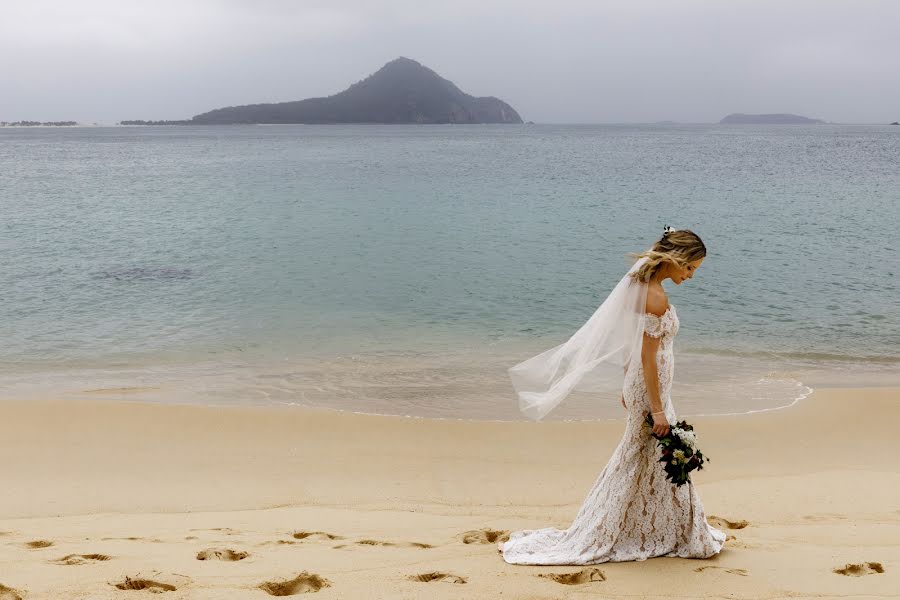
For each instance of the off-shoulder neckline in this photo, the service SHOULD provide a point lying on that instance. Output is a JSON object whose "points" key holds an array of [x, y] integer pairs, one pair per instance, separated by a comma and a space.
{"points": [[668, 308]]}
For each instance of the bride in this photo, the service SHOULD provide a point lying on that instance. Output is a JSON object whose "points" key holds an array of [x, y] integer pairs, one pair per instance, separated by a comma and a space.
{"points": [[631, 512]]}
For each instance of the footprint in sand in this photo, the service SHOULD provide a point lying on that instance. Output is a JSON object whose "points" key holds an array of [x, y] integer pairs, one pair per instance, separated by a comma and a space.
{"points": [[485, 536], [722, 523], [139, 583], [578, 578], [742, 572], [38, 544], [221, 554], [301, 584], [225, 530], [80, 559], [393, 544], [733, 542], [7, 593], [288, 543], [435, 576], [825, 517], [860, 569], [302, 535]]}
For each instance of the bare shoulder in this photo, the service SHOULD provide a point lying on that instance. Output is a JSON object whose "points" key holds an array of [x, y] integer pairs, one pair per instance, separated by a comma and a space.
{"points": [[657, 301]]}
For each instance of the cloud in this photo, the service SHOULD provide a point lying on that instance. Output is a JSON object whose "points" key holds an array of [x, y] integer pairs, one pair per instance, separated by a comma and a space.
{"points": [[561, 61]]}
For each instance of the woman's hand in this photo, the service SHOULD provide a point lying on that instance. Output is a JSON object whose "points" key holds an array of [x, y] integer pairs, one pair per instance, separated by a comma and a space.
{"points": [[660, 424]]}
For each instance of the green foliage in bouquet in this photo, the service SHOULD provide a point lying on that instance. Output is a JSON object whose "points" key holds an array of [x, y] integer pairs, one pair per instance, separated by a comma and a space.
{"points": [[680, 454]]}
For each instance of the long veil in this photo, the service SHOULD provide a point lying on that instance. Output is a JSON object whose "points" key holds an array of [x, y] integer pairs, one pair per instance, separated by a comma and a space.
{"points": [[596, 357]]}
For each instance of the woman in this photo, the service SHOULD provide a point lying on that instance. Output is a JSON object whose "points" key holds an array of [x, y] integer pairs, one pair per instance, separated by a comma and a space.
{"points": [[632, 512]]}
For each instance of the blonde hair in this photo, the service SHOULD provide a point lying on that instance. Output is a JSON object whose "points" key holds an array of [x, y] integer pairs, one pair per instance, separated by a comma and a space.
{"points": [[679, 246]]}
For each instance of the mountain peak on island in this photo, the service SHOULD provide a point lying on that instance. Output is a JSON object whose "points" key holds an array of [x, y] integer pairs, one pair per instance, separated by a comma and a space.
{"points": [[402, 91], [402, 66], [402, 62], [406, 67]]}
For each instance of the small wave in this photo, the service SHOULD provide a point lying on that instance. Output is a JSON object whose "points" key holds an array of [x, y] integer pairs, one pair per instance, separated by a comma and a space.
{"points": [[803, 392], [799, 356]]}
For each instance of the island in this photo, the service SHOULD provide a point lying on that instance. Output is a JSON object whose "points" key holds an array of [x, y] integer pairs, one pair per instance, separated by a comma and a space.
{"points": [[38, 123], [770, 119], [141, 122], [402, 91]]}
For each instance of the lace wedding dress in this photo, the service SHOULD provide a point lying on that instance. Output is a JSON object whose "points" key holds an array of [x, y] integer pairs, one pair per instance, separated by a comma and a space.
{"points": [[632, 512]]}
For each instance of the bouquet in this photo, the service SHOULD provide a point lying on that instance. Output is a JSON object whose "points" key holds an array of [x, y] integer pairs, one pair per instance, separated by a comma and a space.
{"points": [[679, 451]]}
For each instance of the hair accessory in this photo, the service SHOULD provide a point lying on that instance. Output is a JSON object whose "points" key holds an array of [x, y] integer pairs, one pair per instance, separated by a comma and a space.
{"points": [[667, 231]]}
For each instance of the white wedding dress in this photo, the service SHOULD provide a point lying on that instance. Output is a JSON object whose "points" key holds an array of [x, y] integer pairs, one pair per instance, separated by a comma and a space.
{"points": [[632, 512]]}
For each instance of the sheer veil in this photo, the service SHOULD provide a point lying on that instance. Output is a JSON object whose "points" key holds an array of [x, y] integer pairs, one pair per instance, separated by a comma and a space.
{"points": [[596, 357]]}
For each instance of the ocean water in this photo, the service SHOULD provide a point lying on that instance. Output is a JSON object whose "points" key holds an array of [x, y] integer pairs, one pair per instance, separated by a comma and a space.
{"points": [[402, 269]]}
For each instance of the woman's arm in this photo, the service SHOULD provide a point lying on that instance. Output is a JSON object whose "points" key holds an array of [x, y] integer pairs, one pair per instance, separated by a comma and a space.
{"points": [[657, 304], [651, 375], [651, 378]]}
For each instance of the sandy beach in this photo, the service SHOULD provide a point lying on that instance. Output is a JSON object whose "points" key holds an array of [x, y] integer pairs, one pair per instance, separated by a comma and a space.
{"points": [[200, 502]]}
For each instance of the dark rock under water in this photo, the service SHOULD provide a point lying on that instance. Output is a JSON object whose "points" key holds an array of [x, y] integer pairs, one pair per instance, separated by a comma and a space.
{"points": [[146, 273]]}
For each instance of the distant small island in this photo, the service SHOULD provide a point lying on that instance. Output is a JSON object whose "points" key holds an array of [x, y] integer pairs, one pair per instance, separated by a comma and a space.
{"points": [[140, 122], [38, 123], [401, 92], [770, 119]]}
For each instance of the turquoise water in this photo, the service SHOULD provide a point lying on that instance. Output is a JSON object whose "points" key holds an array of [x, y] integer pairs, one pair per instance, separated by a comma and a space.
{"points": [[401, 269]]}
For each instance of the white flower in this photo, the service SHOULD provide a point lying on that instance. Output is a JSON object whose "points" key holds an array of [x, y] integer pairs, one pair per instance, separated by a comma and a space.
{"points": [[678, 454], [689, 438]]}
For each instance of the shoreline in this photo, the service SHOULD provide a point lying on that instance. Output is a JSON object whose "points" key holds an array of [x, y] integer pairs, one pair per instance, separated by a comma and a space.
{"points": [[131, 395], [124, 397], [452, 387]]}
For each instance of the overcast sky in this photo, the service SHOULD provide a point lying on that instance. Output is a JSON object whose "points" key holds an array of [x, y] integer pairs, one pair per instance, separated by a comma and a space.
{"points": [[562, 61]]}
